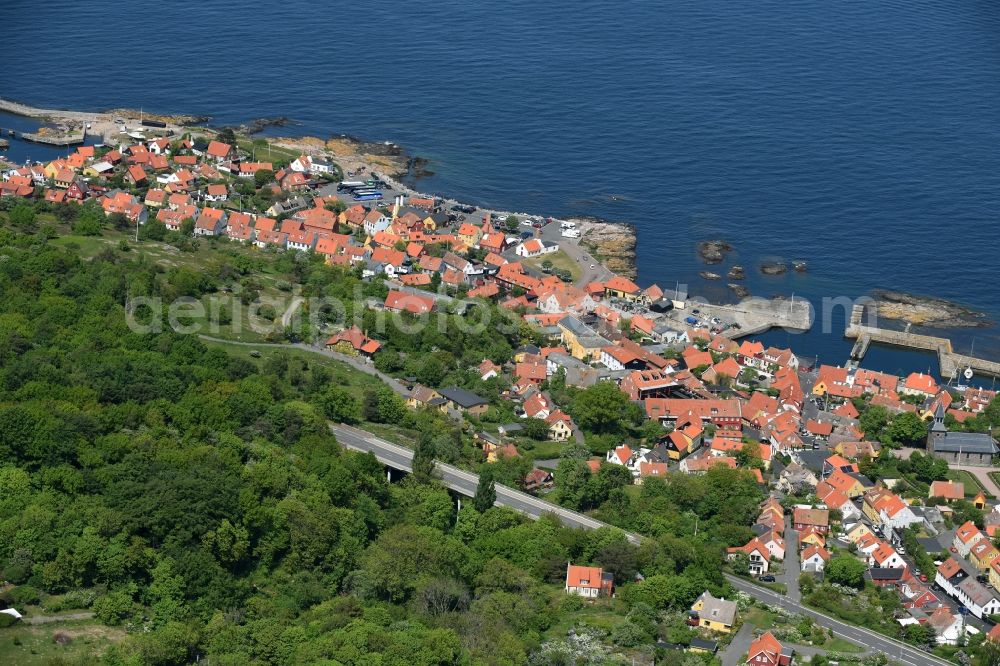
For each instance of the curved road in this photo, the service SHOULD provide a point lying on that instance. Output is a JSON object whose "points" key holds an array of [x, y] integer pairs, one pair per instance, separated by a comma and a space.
{"points": [[876, 642], [464, 482]]}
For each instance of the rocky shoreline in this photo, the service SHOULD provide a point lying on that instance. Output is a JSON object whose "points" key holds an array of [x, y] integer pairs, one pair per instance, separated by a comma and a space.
{"points": [[926, 310], [612, 243]]}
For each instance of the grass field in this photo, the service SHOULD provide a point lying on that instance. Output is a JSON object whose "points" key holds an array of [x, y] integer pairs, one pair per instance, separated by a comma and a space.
{"points": [[559, 260], [544, 450], [971, 483], [760, 618], [601, 614], [279, 156], [28, 645]]}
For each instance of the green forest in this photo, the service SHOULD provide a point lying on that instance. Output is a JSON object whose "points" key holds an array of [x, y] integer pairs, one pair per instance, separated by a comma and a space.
{"points": [[195, 500]]}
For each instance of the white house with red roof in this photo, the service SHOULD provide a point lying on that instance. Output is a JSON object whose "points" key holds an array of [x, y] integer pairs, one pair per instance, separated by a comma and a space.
{"points": [[535, 247], [765, 650], [623, 455], [589, 582], [756, 552], [211, 222], [814, 558]]}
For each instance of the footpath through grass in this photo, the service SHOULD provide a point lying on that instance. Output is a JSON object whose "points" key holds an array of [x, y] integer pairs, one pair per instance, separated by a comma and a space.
{"points": [[70, 642]]}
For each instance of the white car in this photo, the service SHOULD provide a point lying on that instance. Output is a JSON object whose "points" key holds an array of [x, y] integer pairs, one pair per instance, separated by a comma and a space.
{"points": [[593, 266]]}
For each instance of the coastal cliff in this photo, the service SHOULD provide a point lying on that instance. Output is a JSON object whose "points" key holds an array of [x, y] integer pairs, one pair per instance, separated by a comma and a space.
{"points": [[613, 243]]}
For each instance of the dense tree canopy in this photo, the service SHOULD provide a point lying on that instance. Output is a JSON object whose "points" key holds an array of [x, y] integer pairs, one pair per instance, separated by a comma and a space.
{"points": [[200, 495]]}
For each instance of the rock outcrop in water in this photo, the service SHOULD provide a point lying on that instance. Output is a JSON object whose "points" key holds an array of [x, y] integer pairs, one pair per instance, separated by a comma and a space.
{"points": [[708, 275], [926, 310], [713, 251], [613, 243], [736, 273], [176, 119], [258, 125], [773, 268], [739, 290]]}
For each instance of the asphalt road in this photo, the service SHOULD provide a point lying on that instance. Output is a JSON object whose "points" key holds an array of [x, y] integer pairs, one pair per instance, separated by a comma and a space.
{"points": [[571, 246], [461, 481], [791, 567], [894, 650]]}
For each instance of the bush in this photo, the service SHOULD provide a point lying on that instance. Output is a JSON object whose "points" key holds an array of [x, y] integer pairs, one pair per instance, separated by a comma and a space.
{"points": [[628, 634], [87, 227], [24, 595], [113, 608], [7, 620]]}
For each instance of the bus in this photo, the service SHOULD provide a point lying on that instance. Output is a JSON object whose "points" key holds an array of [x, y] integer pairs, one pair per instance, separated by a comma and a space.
{"points": [[352, 185], [367, 195]]}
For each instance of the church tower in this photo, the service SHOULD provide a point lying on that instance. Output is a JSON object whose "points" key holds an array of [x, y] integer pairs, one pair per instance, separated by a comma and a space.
{"points": [[938, 429]]}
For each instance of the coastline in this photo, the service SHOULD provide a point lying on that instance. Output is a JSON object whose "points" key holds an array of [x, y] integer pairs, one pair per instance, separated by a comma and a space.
{"points": [[612, 242]]}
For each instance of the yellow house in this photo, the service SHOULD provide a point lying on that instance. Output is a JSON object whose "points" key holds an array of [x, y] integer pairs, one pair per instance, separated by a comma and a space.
{"points": [[828, 376], [494, 450], [871, 513], [811, 538], [983, 555], [421, 396], [469, 234], [858, 532], [856, 450], [54, 167], [845, 483], [579, 339], [559, 431], [995, 574], [980, 501], [679, 444], [715, 614], [429, 223]]}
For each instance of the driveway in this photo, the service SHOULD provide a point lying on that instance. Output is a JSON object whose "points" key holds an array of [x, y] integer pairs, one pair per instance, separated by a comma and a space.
{"points": [[739, 646], [790, 568]]}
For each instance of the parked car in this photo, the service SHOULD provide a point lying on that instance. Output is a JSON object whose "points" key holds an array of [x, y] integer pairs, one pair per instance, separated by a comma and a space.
{"points": [[766, 578]]}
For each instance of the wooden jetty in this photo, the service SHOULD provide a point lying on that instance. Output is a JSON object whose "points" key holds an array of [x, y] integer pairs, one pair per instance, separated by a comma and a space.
{"points": [[950, 362]]}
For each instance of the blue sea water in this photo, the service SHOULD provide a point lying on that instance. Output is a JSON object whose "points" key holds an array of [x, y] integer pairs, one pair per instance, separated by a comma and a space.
{"points": [[859, 135]]}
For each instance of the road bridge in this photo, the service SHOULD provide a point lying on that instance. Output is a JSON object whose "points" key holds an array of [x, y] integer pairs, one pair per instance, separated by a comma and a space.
{"points": [[460, 481]]}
